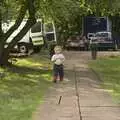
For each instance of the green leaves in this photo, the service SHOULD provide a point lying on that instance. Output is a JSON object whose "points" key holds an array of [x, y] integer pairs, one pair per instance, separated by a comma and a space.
{"points": [[10, 8]]}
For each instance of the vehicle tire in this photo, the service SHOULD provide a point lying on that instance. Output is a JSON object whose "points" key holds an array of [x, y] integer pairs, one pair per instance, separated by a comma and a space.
{"points": [[23, 48]]}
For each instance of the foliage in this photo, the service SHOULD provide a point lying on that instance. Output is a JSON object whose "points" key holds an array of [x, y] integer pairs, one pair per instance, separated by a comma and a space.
{"points": [[68, 15], [10, 8]]}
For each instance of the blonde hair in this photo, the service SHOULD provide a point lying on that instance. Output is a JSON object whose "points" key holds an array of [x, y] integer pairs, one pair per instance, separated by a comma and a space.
{"points": [[58, 49]]}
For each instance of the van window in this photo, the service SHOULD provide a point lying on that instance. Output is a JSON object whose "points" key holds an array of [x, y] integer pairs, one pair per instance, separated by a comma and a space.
{"points": [[49, 27], [50, 36], [36, 27]]}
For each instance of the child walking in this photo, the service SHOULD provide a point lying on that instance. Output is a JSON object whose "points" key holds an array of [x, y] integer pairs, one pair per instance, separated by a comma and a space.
{"points": [[58, 59]]}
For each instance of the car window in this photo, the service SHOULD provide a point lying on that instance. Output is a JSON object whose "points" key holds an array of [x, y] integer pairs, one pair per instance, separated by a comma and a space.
{"points": [[102, 35]]}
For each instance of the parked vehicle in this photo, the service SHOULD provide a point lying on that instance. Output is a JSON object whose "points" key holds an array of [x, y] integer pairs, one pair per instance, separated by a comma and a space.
{"points": [[49, 33], [98, 29], [104, 40], [75, 42], [34, 38], [90, 36], [94, 24]]}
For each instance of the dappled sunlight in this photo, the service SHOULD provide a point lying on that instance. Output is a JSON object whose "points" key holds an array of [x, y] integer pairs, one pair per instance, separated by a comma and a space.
{"points": [[34, 62], [21, 92], [23, 86], [109, 90], [24, 76], [47, 77], [33, 76], [26, 62]]}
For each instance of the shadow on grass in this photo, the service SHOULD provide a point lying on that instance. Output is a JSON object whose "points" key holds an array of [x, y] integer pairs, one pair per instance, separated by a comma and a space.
{"points": [[22, 87], [23, 81]]}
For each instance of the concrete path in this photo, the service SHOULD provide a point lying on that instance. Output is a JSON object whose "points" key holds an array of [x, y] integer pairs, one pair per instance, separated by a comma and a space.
{"points": [[85, 100]]}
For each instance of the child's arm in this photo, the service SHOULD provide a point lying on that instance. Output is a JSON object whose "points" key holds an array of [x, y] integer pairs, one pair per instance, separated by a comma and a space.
{"points": [[54, 58]]}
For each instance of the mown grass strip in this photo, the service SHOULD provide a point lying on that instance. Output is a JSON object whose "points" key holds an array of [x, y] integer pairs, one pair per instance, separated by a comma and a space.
{"points": [[23, 86], [108, 69]]}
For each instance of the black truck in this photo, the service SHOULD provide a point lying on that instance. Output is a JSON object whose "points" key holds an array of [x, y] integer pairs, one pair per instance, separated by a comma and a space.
{"points": [[99, 30], [94, 24]]}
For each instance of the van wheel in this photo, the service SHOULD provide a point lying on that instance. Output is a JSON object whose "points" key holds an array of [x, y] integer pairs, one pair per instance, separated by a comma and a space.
{"points": [[23, 48]]}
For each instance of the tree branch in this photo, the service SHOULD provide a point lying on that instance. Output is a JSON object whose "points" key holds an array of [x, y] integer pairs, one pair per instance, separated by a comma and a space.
{"points": [[0, 23], [21, 34], [30, 22], [18, 21], [1, 32]]}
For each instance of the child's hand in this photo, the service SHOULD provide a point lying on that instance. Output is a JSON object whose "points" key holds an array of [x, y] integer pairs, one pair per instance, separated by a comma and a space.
{"points": [[57, 58]]}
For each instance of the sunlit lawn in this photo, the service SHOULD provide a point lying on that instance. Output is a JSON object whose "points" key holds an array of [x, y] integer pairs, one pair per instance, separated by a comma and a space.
{"points": [[109, 70], [23, 86]]}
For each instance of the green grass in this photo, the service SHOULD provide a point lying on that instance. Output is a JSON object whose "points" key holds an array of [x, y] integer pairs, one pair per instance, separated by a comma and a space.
{"points": [[109, 70], [22, 88]]}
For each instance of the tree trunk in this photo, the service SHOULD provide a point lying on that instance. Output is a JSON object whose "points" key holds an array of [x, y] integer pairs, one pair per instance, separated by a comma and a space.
{"points": [[4, 56], [18, 22], [1, 42], [4, 52]]}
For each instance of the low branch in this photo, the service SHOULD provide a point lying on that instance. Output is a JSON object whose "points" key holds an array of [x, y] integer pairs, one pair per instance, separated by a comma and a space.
{"points": [[1, 32], [30, 22], [21, 34], [18, 21]]}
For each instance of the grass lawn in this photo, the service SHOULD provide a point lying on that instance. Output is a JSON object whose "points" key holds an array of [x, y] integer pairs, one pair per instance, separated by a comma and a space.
{"points": [[109, 70], [23, 86]]}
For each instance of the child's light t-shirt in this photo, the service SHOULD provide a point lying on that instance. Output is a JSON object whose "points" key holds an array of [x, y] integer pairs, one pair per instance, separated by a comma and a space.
{"points": [[58, 59]]}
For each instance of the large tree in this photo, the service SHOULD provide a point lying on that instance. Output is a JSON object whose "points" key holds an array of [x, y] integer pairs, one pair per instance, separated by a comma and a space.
{"points": [[22, 7]]}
